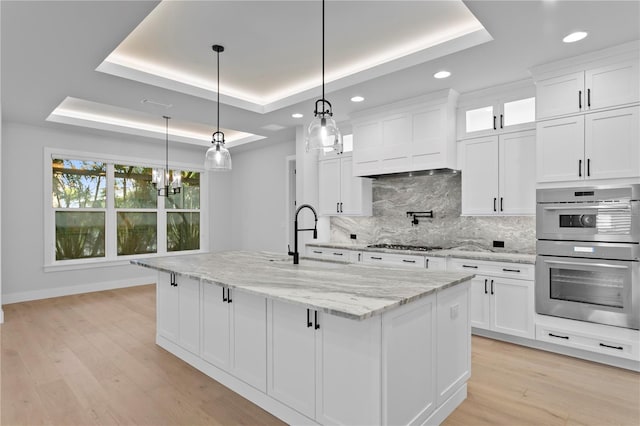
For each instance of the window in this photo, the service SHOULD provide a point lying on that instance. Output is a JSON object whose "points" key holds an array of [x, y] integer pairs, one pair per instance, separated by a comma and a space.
{"points": [[520, 111], [107, 209], [479, 119]]}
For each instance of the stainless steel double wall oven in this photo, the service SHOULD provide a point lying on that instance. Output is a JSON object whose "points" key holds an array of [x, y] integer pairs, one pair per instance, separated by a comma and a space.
{"points": [[588, 263]]}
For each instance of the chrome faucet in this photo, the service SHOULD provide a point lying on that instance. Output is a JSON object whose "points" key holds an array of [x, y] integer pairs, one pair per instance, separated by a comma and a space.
{"points": [[294, 253]]}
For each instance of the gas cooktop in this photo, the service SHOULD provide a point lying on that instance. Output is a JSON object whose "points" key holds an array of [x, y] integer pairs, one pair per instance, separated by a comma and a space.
{"points": [[404, 247]]}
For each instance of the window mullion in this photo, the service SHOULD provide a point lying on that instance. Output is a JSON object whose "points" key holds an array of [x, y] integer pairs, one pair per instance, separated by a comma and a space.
{"points": [[111, 227], [162, 226]]}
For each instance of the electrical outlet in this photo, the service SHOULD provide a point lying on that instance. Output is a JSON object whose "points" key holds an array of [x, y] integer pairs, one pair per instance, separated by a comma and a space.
{"points": [[498, 244], [353, 236], [454, 310]]}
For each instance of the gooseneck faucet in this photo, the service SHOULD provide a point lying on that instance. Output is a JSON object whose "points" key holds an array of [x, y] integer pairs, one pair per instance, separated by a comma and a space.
{"points": [[294, 253]]}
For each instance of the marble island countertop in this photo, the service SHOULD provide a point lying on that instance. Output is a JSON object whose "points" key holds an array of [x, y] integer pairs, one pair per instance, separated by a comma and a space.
{"points": [[348, 290], [453, 252]]}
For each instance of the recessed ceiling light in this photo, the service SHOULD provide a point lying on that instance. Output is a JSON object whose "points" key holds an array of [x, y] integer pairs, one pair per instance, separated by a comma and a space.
{"points": [[442, 74], [357, 99], [573, 37], [297, 115]]}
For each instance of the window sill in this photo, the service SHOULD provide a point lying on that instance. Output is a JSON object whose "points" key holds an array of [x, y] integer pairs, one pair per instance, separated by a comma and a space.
{"points": [[73, 265]]}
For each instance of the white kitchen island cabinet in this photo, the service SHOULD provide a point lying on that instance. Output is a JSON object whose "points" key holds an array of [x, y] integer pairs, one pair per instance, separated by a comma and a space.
{"points": [[322, 342]]}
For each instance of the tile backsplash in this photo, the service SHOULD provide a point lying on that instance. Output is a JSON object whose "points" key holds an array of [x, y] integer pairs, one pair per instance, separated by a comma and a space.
{"points": [[393, 196]]}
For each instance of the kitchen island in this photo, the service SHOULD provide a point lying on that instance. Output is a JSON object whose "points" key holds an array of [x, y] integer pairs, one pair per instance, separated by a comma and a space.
{"points": [[319, 342]]}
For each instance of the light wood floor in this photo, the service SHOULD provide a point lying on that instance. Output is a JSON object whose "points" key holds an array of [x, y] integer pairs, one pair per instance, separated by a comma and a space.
{"points": [[91, 359]]}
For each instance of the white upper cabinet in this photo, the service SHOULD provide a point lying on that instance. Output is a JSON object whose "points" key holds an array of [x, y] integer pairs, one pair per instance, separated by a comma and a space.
{"points": [[340, 193], [497, 110], [560, 95], [498, 174], [415, 134]]}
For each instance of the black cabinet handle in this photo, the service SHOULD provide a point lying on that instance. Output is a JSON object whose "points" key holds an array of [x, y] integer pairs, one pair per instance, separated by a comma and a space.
{"points": [[494, 123], [470, 266], [559, 337], [309, 324], [317, 252], [337, 207], [579, 168], [485, 285], [579, 99], [588, 166], [341, 211], [338, 254], [589, 98], [427, 263], [317, 326], [492, 287], [229, 296], [408, 261], [359, 256], [501, 201], [501, 122], [611, 347], [494, 204], [224, 295], [375, 258], [510, 270]]}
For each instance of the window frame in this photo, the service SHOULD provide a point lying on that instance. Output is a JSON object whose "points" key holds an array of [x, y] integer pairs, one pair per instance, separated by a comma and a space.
{"points": [[111, 257]]}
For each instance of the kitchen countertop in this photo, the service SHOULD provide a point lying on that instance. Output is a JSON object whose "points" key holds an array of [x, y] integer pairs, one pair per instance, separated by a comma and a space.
{"points": [[348, 290], [458, 253]]}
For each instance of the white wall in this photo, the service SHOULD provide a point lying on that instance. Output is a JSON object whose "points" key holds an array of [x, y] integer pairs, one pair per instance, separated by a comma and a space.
{"points": [[258, 199], [23, 208]]}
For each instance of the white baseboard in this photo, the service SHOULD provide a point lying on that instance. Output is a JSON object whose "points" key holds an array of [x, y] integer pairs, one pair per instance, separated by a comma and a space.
{"points": [[25, 296]]}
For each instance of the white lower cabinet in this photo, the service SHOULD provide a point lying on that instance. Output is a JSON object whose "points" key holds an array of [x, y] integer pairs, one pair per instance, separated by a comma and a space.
{"points": [[502, 296], [234, 333], [178, 310]]}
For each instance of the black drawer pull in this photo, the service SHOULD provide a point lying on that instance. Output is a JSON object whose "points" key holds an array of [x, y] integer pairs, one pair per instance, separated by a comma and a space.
{"points": [[317, 252], [229, 295], [611, 347], [317, 326], [427, 263], [559, 337], [375, 258], [224, 295], [470, 266], [408, 261], [510, 270], [338, 254], [309, 324]]}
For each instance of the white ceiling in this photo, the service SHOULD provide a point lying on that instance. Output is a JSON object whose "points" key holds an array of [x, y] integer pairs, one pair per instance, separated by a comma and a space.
{"points": [[50, 51]]}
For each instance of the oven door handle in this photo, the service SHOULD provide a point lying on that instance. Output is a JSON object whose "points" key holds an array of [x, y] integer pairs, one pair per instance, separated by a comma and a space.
{"points": [[590, 207], [599, 265]]}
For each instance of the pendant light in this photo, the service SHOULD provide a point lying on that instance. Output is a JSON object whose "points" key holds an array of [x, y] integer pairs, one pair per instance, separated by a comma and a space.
{"points": [[323, 133], [168, 182], [218, 157]]}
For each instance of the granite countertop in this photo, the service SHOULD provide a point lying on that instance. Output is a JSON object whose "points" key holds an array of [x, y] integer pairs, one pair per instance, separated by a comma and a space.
{"points": [[454, 252], [348, 290]]}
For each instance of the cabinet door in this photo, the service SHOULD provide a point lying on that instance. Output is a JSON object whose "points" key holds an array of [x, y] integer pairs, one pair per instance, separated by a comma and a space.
{"points": [[348, 379], [353, 190], [454, 340], [612, 144], [291, 357], [478, 120], [513, 307], [560, 95], [249, 338], [189, 312], [429, 138], [167, 308], [480, 176], [215, 326], [396, 143], [480, 302], [329, 186], [560, 150], [517, 173], [612, 85], [367, 148]]}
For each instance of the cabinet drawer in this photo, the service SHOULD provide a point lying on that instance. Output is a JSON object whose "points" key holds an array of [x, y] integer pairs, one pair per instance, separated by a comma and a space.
{"points": [[407, 261], [342, 255], [604, 344], [501, 269]]}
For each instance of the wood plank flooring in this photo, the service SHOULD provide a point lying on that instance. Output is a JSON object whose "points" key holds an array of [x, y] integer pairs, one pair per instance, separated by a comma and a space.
{"points": [[91, 359]]}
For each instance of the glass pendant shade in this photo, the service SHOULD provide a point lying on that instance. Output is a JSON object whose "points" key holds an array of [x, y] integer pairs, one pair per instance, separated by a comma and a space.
{"points": [[217, 158], [323, 133]]}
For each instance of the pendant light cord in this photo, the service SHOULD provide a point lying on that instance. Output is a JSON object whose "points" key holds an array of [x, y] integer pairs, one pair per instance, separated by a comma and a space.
{"points": [[323, 101], [218, 92], [166, 163]]}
